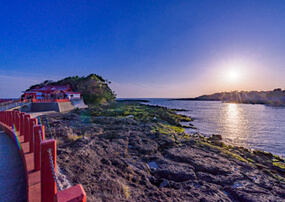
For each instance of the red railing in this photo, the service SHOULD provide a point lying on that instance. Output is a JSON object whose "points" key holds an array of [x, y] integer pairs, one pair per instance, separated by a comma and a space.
{"points": [[49, 100], [4, 102], [44, 159], [10, 101], [61, 100], [7, 100]]}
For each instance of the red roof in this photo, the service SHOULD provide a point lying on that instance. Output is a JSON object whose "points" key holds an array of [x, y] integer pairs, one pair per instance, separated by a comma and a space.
{"points": [[52, 89], [70, 92]]}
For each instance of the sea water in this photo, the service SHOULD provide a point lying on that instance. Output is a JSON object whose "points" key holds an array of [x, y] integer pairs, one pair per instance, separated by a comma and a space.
{"points": [[252, 126]]}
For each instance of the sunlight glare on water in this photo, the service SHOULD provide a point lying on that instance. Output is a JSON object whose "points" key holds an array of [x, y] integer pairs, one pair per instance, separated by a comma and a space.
{"points": [[233, 122], [252, 126]]}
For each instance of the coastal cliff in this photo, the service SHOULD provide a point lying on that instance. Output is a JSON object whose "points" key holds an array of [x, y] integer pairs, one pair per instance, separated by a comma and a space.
{"points": [[272, 98], [127, 151]]}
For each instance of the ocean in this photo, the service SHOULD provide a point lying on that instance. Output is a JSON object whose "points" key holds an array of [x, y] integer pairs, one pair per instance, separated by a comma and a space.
{"points": [[251, 126]]}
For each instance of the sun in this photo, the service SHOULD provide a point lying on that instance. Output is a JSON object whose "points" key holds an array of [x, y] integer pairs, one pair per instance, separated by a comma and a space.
{"points": [[233, 75]]}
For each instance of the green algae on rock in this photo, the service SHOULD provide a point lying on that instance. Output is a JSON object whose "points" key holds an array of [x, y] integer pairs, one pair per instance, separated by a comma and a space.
{"points": [[134, 152]]}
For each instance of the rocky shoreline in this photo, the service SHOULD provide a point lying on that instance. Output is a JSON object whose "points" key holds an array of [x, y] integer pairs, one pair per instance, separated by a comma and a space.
{"points": [[133, 152]]}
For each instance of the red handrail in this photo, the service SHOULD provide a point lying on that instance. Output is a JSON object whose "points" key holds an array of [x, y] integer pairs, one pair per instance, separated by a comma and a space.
{"points": [[49, 100], [47, 158]]}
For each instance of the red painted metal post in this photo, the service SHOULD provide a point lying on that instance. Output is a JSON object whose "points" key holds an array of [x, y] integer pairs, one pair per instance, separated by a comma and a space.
{"points": [[6, 115], [74, 194], [18, 125], [23, 123], [22, 127], [1, 116], [48, 185], [27, 127], [8, 118], [14, 117], [33, 122], [39, 135], [11, 118]]}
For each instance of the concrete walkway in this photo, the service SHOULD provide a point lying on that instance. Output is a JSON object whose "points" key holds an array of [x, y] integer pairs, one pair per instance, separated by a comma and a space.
{"points": [[36, 114], [12, 172]]}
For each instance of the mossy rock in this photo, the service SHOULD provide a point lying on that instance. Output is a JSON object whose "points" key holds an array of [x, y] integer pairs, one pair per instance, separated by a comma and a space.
{"points": [[262, 153], [279, 166]]}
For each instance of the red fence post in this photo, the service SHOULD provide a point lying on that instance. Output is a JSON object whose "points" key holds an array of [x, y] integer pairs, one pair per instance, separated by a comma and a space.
{"points": [[4, 117], [11, 118], [18, 124], [33, 122], [74, 194], [1, 116], [8, 118], [39, 135], [14, 117], [22, 123], [27, 127], [48, 185]]}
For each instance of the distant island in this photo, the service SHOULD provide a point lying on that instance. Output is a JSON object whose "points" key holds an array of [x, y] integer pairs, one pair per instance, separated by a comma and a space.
{"points": [[272, 98]]}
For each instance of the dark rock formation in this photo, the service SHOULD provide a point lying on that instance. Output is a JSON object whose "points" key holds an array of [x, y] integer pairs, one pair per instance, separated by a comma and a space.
{"points": [[123, 159]]}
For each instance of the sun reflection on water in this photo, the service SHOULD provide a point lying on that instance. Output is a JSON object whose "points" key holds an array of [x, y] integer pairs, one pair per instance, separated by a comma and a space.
{"points": [[234, 123]]}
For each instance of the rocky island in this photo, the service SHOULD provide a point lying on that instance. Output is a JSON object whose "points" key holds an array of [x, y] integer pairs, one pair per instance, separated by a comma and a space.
{"points": [[275, 97], [128, 151]]}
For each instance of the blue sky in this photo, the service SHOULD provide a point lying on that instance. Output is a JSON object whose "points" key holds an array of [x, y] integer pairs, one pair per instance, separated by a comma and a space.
{"points": [[146, 48]]}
